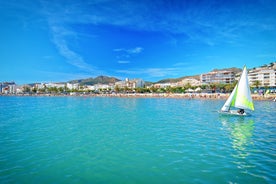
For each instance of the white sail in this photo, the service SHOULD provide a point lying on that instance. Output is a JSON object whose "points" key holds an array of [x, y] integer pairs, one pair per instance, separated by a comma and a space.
{"points": [[241, 95], [228, 102]]}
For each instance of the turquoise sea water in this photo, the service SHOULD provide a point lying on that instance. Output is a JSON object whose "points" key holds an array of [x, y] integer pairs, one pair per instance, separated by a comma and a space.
{"points": [[134, 140]]}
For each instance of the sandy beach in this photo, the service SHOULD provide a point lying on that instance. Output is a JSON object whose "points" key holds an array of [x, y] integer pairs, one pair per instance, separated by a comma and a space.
{"points": [[267, 97], [183, 95]]}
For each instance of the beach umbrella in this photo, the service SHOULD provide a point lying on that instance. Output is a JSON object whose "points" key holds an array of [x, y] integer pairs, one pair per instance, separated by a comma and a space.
{"points": [[190, 90], [198, 89]]}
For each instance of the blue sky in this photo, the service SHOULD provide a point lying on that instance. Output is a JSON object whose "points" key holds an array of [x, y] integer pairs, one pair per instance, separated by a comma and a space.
{"points": [[56, 40]]}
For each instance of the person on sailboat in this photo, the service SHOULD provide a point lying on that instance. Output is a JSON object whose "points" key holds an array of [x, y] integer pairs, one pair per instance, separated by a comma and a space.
{"points": [[241, 111]]}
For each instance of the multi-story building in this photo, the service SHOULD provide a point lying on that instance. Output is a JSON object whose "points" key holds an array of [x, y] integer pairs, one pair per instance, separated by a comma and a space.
{"points": [[40, 86], [224, 77], [72, 86], [101, 87], [8, 88], [265, 75], [163, 85], [191, 81], [135, 83], [57, 85]]}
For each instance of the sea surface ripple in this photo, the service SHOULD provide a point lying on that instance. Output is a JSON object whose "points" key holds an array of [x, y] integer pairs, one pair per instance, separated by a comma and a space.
{"points": [[134, 140]]}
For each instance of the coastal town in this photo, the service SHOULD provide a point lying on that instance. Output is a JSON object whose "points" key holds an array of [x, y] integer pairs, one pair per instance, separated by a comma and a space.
{"points": [[214, 84]]}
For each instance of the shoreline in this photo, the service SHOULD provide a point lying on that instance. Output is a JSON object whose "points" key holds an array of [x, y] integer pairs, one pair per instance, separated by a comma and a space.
{"points": [[210, 96]]}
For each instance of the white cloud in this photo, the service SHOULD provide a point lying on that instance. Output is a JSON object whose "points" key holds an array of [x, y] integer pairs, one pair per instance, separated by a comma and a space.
{"points": [[124, 54], [135, 50], [208, 22], [59, 39]]}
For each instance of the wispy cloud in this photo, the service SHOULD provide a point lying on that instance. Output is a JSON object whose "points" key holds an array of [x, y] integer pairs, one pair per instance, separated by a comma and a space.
{"points": [[124, 54], [72, 57], [135, 50], [62, 34], [207, 22]]}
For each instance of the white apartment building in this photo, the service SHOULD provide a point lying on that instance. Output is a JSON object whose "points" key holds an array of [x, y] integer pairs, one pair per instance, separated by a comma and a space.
{"points": [[164, 85], [40, 85], [102, 87], [8, 88], [191, 81], [57, 85], [266, 75], [135, 83], [72, 86], [224, 77]]}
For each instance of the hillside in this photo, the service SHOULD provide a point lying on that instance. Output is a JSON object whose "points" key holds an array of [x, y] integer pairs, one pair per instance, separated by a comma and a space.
{"points": [[97, 80], [173, 80], [108, 80]]}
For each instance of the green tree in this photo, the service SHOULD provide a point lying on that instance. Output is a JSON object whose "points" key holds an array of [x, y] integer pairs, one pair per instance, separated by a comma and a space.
{"points": [[53, 89], [116, 89], [26, 89], [204, 86], [228, 88], [60, 89], [187, 86], [256, 83], [42, 90], [34, 90]]}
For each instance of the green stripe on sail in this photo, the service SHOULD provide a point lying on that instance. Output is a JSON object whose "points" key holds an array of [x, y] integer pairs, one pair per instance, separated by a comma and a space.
{"points": [[234, 98], [247, 103]]}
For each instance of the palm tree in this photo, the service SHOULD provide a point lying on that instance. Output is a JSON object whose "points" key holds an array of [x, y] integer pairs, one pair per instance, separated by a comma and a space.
{"points": [[256, 83], [228, 88]]}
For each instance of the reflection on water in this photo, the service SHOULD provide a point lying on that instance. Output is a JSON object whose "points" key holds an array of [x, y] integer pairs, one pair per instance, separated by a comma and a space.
{"points": [[241, 131]]}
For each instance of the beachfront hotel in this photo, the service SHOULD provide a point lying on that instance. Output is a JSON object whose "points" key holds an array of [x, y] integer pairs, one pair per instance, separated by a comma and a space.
{"points": [[7, 87], [135, 83], [265, 75], [224, 77]]}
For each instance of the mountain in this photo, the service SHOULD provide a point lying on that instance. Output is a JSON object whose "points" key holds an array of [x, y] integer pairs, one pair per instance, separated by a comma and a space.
{"points": [[174, 80], [108, 80], [97, 80]]}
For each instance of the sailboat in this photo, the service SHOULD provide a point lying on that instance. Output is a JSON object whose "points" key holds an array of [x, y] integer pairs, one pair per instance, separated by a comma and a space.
{"points": [[240, 98]]}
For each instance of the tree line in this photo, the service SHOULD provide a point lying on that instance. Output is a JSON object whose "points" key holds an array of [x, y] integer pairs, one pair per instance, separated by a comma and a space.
{"points": [[210, 88]]}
